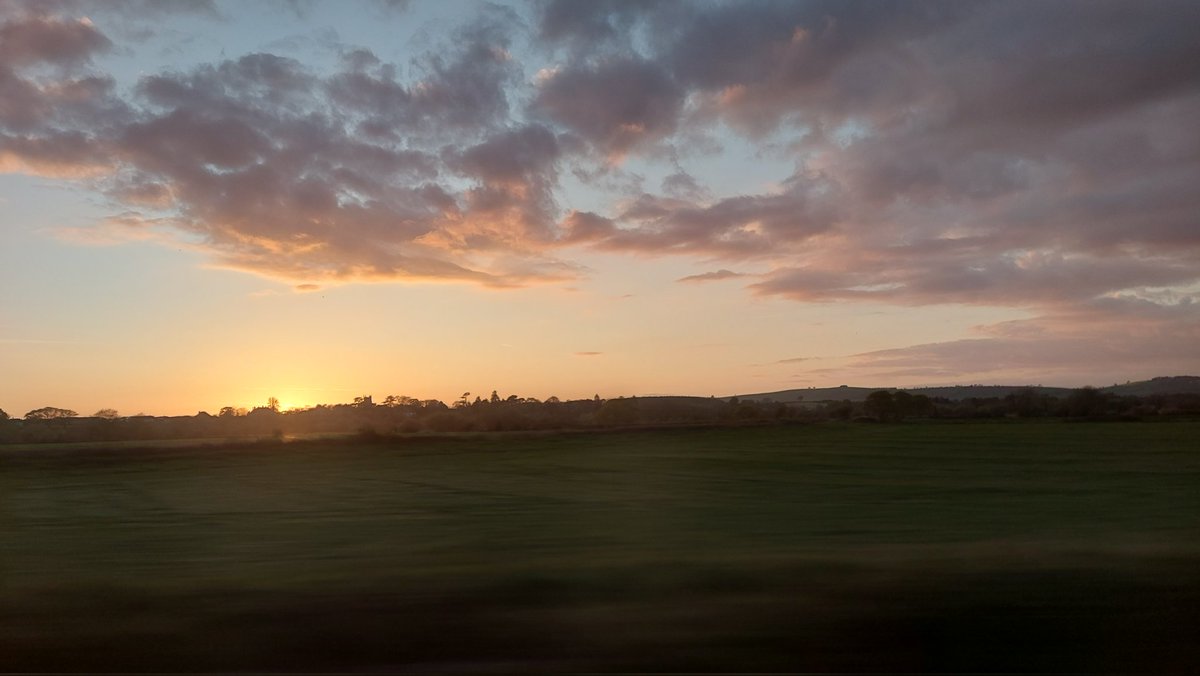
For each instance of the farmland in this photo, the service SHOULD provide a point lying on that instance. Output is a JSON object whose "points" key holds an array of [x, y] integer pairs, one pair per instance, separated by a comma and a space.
{"points": [[1042, 546]]}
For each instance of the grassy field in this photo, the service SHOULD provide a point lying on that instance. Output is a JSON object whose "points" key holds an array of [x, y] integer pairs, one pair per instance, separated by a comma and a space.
{"points": [[1046, 547]]}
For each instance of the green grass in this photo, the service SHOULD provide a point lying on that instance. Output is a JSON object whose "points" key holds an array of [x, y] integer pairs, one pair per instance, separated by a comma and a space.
{"points": [[918, 547]]}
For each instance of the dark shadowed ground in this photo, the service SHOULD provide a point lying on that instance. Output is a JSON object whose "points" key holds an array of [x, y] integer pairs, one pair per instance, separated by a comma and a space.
{"points": [[1045, 547]]}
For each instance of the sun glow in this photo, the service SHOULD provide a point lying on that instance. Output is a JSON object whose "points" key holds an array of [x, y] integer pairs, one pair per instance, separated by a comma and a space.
{"points": [[288, 401]]}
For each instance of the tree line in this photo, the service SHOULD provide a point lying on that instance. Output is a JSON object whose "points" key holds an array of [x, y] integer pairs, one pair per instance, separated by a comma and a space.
{"points": [[397, 414]]}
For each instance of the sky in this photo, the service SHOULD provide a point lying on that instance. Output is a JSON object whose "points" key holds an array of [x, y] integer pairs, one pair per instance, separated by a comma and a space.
{"points": [[206, 204]]}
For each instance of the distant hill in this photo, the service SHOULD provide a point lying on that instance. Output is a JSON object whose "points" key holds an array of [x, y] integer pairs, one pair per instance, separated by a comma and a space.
{"points": [[814, 394], [1161, 385]]}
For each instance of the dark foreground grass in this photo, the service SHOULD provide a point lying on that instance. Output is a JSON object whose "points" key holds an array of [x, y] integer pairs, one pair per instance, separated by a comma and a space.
{"points": [[974, 547]]}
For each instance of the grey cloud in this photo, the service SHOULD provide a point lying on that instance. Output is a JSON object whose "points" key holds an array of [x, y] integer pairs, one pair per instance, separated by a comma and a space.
{"points": [[585, 226], [1134, 339], [359, 59], [994, 153], [683, 185], [252, 81], [22, 104], [248, 159], [64, 155], [1073, 63], [965, 274], [127, 11], [520, 155], [645, 107], [745, 225], [512, 202], [766, 63], [395, 5], [1018, 154], [584, 25], [462, 90], [34, 104], [50, 40], [183, 137]]}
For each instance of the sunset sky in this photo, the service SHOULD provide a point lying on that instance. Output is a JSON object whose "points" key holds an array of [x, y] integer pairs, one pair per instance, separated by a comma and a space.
{"points": [[206, 203]]}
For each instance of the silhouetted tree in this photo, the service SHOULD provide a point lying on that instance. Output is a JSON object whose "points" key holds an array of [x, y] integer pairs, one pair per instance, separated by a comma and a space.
{"points": [[1025, 403], [3, 415], [107, 414], [840, 410], [273, 404], [618, 412], [880, 404], [1087, 402], [905, 405], [50, 413]]}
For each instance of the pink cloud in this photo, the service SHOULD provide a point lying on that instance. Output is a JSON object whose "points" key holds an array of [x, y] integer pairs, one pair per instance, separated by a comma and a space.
{"points": [[936, 158], [711, 276], [37, 39], [1123, 339]]}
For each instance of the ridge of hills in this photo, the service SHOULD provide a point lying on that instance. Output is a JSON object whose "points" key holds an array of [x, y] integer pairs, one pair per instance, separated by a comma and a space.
{"points": [[1142, 388]]}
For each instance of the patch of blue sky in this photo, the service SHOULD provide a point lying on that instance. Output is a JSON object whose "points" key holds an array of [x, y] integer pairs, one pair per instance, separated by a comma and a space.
{"points": [[316, 34]]}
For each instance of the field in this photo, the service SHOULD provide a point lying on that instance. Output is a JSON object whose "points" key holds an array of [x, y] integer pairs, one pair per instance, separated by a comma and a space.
{"points": [[1049, 547]]}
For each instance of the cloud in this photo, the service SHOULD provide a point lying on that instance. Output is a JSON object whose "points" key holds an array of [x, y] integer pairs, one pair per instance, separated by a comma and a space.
{"points": [[1004, 154], [945, 153], [50, 40], [585, 226], [581, 97], [586, 24], [711, 276], [247, 159], [511, 204], [395, 5], [1122, 339], [970, 273], [683, 186], [63, 155], [797, 360], [1031, 155], [588, 354], [734, 227]]}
